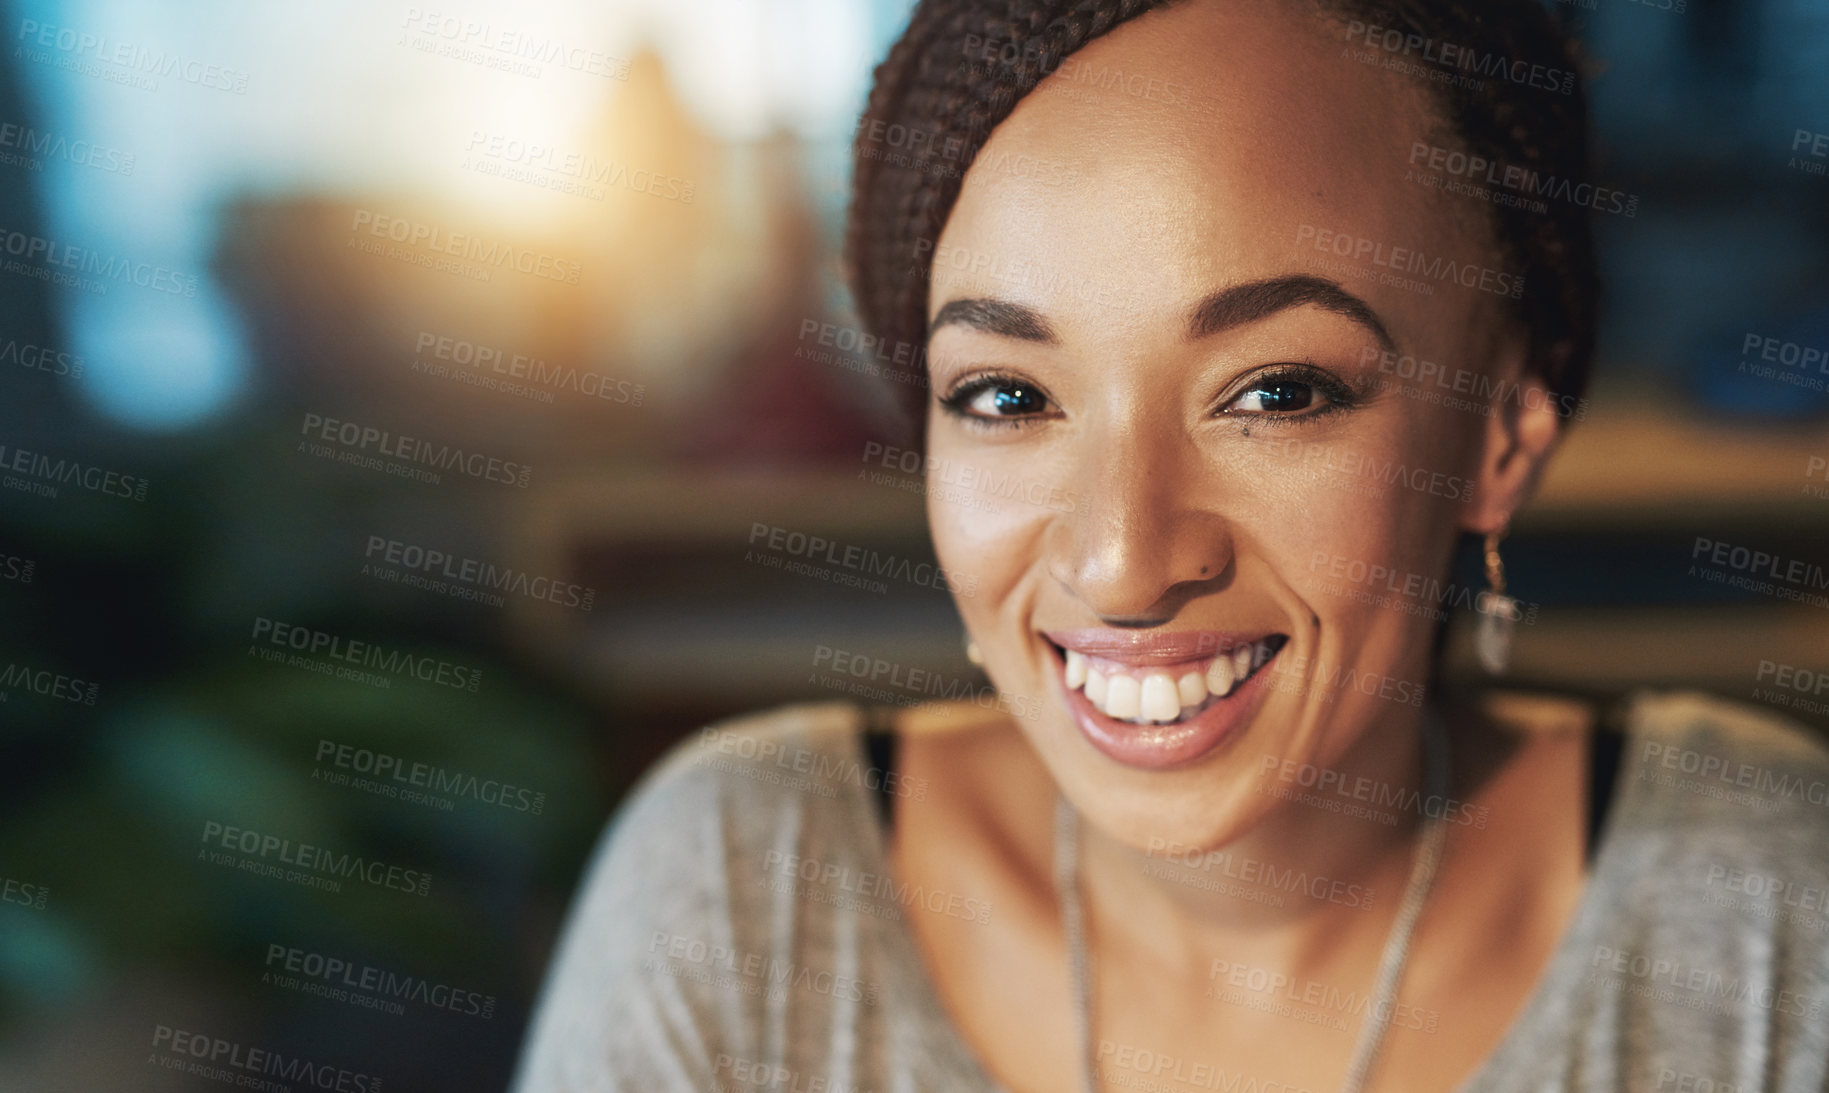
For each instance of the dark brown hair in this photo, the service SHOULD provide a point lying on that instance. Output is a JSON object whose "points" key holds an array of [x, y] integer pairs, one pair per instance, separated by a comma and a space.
{"points": [[961, 66]]}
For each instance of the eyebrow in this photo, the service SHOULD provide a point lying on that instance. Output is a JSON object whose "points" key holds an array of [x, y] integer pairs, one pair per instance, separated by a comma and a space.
{"points": [[1222, 310], [1254, 300], [995, 317]]}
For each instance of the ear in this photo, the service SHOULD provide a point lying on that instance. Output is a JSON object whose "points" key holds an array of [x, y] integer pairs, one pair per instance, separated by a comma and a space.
{"points": [[1520, 433]]}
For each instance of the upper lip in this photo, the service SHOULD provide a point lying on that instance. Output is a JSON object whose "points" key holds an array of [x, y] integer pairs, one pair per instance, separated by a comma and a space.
{"points": [[1143, 648]]}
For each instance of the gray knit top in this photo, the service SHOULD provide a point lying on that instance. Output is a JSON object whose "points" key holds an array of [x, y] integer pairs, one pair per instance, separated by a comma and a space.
{"points": [[737, 928]]}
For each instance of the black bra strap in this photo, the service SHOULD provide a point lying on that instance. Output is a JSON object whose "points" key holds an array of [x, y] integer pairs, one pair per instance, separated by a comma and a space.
{"points": [[1603, 771], [880, 746]]}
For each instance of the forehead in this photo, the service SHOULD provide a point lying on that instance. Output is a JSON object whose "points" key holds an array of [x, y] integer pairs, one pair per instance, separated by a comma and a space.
{"points": [[1196, 147]]}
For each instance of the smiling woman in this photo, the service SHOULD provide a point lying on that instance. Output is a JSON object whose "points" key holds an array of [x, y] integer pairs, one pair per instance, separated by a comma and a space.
{"points": [[1244, 842]]}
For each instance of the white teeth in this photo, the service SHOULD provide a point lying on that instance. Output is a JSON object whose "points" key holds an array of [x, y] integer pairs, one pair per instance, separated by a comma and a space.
{"points": [[1219, 676], [1095, 688], [1160, 700], [1123, 698], [1191, 689], [1158, 697]]}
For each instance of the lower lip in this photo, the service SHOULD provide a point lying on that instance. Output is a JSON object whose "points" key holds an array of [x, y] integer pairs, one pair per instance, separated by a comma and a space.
{"points": [[1161, 747]]}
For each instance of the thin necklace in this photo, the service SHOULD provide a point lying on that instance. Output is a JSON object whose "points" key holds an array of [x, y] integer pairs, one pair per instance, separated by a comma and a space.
{"points": [[1396, 946]]}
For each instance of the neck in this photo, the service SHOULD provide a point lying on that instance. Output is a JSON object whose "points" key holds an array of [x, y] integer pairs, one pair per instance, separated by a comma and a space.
{"points": [[1301, 883]]}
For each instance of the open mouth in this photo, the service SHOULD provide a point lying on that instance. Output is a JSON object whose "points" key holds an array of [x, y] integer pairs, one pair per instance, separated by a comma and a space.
{"points": [[1156, 701], [1163, 696]]}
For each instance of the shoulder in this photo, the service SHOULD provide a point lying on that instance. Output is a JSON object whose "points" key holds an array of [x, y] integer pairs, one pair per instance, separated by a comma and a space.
{"points": [[701, 828], [1712, 760], [664, 963], [1730, 817], [1701, 947], [758, 761]]}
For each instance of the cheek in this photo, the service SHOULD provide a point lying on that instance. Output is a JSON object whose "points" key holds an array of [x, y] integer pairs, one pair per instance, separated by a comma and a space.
{"points": [[989, 519], [1365, 544], [1317, 506]]}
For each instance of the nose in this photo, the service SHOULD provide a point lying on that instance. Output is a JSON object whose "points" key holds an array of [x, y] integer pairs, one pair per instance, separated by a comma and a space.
{"points": [[1140, 542]]}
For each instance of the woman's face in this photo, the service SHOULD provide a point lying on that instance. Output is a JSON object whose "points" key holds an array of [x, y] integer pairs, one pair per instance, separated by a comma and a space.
{"points": [[1172, 314]]}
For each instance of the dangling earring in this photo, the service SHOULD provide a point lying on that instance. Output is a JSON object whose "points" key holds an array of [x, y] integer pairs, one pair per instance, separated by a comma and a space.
{"points": [[1498, 612], [972, 652]]}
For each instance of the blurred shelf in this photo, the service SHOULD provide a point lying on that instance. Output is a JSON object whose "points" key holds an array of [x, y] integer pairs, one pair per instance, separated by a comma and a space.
{"points": [[1718, 649], [1653, 468]]}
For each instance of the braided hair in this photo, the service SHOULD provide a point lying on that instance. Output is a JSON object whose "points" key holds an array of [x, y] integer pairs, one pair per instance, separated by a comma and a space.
{"points": [[936, 97]]}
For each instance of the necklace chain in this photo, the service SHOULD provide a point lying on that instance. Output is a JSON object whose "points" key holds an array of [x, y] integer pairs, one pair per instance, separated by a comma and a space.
{"points": [[1390, 965]]}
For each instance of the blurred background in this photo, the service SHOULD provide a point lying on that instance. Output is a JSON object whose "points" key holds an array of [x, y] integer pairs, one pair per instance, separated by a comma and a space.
{"points": [[390, 398]]}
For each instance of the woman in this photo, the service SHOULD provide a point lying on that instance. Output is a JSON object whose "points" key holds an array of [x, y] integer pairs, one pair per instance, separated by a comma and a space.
{"points": [[1199, 250]]}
